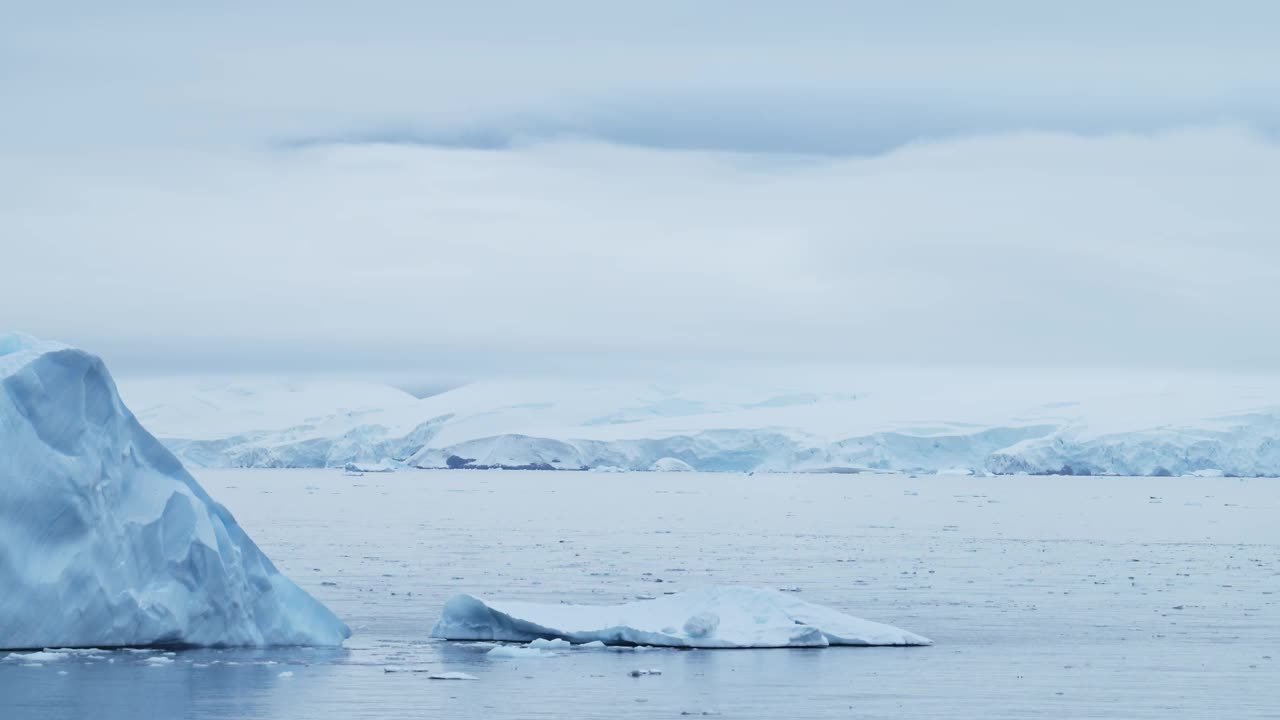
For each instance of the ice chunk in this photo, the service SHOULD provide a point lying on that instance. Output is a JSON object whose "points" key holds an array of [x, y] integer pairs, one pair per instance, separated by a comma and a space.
{"points": [[451, 676], [670, 464], [382, 466], [721, 617], [554, 644], [511, 651], [105, 540], [44, 656]]}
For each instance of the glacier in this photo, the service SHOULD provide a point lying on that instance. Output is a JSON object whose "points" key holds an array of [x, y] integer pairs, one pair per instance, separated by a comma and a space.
{"points": [[885, 420], [107, 541], [716, 617]]}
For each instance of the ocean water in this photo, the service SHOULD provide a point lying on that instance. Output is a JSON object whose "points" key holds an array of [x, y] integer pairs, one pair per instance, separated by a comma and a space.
{"points": [[1046, 597]]}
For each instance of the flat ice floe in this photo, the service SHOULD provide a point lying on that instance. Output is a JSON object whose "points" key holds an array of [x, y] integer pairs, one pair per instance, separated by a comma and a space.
{"points": [[105, 540], [720, 617]]}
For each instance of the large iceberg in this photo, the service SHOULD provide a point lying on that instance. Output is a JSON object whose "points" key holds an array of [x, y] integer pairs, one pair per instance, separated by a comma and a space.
{"points": [[105, 540], [721, 617]]}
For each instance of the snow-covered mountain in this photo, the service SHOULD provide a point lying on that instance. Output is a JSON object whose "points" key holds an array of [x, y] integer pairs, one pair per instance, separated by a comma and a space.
{"points": [[105, 540], [814, 419]]}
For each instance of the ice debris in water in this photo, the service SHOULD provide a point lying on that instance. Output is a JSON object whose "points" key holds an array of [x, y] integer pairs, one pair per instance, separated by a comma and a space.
{"points": [[553, 644], [511, 651], [720, 617]]}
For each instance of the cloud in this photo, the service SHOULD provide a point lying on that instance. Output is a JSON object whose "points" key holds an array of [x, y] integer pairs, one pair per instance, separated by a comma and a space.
{"points": [[849, 123], [822, 77], [1043, 249], [488, 186]]}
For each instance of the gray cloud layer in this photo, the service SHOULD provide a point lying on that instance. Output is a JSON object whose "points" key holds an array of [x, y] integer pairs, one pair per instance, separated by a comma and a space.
{"points": [[513, 185], [805, 76]]}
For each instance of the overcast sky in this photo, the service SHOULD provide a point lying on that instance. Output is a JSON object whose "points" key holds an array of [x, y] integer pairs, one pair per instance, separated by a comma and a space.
{"points": [[470, 188]]}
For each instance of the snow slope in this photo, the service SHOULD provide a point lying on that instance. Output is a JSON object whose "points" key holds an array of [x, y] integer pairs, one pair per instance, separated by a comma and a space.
{"points": [[209, 408], [907, 420], [721, 617], [105, 540]]}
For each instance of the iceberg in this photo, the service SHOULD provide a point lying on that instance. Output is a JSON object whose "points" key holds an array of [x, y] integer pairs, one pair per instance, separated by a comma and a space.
{"points": [[451, 676], [720, 617], [107, 541], [670, 464], [382, 466]]}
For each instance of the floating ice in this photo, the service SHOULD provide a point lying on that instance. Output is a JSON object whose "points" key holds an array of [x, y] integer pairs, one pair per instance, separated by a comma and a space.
{"points": [[382, 466], [451, 676], [105, 540], [722, 617], [670, 464], [509, 651], [43, 656], [553, 644]]}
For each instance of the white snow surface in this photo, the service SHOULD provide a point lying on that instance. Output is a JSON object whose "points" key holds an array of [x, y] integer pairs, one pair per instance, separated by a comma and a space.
{"points": [[105, 540], [718, 617], [798, 420]]}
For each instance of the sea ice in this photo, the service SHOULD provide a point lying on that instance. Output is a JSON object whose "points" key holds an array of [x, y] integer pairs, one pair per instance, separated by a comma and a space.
{"points": [[382, 466], [43, 656], [721, 617], [451, 676], [105, 540], [510, 651], [553, 644]]}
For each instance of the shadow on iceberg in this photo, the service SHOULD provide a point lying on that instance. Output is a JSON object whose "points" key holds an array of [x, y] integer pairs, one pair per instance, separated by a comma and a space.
{"points": [[107, 541], [720, 617]]}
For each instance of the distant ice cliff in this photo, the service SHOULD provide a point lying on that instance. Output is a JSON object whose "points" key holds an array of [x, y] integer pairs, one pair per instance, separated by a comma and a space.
{"points": [[902, 421]]}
